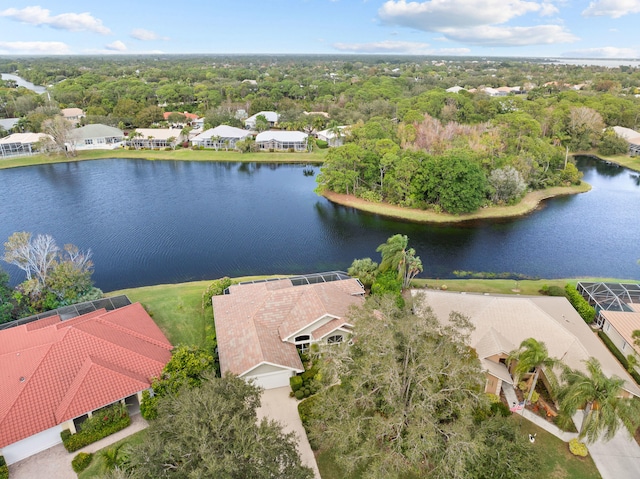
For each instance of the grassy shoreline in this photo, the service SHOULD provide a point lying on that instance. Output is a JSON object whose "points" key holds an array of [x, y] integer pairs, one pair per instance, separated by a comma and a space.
{"points": [[528, 204], [184, 154], [631, 162]]}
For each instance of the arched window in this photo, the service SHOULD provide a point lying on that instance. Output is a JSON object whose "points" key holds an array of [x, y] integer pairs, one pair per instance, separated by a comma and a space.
{"points": [[334, 339], [302, 342]]}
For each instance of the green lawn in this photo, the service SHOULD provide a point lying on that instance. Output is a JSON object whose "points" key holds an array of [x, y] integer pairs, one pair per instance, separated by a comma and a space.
{"points": [[185, 154], [553, 459], [95, 469], [177, 309]]}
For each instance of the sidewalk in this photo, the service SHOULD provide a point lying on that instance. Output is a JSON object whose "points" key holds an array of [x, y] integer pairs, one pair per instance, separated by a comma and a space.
{"points": [[541, 422]]}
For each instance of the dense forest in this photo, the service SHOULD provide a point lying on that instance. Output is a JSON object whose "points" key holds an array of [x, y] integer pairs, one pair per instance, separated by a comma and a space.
{"points": [[408, 142]]}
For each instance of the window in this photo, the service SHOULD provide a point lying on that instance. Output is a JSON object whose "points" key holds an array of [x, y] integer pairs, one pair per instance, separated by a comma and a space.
{"points": [[302, 342], [334, 339]]}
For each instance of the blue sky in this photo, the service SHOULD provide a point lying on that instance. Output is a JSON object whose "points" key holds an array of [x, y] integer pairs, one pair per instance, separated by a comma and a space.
{"points": [[546, 28]]}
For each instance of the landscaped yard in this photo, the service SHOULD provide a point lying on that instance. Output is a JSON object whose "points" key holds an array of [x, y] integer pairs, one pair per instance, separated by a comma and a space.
{"points": [[553, 459], [96, 468]]}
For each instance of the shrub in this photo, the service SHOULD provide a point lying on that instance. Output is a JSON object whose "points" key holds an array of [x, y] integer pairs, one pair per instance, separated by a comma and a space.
{"points": [[581, 305], [299, 394], [618, 354], [149, 406], [322, 144], [295, 382], [215, 289], [578, 448], [4, 469], [500, 409], [103, 423], [523, 386], [493, 398], [81, 462], [534, 397]]}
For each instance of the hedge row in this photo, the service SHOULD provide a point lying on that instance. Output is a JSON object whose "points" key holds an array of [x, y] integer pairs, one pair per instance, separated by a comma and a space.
{"points": [[618, 354], [581, 305], [95, 431], [4, 469], [81, 461]]}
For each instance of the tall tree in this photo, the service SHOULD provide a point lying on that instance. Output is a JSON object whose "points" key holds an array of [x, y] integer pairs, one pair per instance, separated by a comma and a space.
{"points": [[403, 397], [600, 398], [396, 256], [532, 355], [213, 431], [6, 298]]}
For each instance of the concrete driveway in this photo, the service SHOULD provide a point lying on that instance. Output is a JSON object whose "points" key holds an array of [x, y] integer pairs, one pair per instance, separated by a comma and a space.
{"points": [[277, 405], [618, 458], [55, 462]]}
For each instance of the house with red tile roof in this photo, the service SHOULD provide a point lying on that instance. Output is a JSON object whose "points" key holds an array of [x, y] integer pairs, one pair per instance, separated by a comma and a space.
{"points": [[54, 373], [261, 326]]}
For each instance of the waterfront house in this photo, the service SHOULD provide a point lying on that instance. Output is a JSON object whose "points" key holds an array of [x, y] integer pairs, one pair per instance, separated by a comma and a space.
{"points": [[72, 115], [261, 326], [57, 370], [502, 322], [331, 137], [22, 144], [632, 137], [154, 138], [96, 137], [274, 140], [222, 136]]}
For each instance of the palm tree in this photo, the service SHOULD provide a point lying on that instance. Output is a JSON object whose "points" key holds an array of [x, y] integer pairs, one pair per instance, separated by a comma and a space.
{"points": [[599, 395], [533, 355], [396, 255], [112, 457]]}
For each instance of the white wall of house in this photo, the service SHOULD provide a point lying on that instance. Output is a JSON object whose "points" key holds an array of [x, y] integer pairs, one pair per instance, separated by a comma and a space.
{"points": [[616, 338], [268, 376], [32, 445]]}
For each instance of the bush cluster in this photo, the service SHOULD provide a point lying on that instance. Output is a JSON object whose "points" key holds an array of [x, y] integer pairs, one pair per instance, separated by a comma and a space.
{"points": [[4, 469], [581, 305], [618, 354], [215, 289], [578, 448], [81, 461], [552, 290], [322, 144], [102, 423], [304, 385]]}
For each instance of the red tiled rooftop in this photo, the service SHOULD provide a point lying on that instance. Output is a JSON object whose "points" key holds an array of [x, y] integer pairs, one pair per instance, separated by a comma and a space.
{"points": [[53, 372]]}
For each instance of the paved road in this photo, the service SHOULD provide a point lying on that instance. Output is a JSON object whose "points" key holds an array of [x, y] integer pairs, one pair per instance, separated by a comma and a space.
{"points": [[277, 405]]}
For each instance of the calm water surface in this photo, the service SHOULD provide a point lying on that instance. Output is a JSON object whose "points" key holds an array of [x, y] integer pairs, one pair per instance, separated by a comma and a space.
{"points": [[161, 222]]}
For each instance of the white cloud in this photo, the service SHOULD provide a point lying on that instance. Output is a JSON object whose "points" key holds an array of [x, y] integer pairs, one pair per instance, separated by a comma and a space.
{"points": [[74, 22], [116, 46], [612, 8], [386, 46], [603, 52], [400, 47], [512, 36], [480, 23], [146, 35], [34, 48]]}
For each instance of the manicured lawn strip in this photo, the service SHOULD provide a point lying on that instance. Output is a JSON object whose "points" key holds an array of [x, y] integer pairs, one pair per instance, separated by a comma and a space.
{"points": [[184, 154], [553, 456], [177, 309], [528, 204], [506, 286], [95, 468]]}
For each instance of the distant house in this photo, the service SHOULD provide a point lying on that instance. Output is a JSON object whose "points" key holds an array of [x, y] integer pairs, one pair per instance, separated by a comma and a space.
{"points": [[331, 138], [21, 144], [154, 137], [455, 89], [632, 137], [189, 118], [271, 116], [282, 140], [501, 323], [222, 136], [260, 326], [57, 372], [73, 115], [96, 137]]}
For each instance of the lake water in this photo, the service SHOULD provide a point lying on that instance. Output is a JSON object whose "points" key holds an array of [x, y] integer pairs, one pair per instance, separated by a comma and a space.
{"points": [[151, 222], [24, 83]]}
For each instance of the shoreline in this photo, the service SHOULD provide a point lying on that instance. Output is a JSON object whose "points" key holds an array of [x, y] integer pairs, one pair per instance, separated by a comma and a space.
{"points": [[528, 204], [185, 154], [625, 161]]}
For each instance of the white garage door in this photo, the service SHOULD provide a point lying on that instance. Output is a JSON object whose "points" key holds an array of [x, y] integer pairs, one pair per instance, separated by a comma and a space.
{"points": [[32, 445], [278, 379]]}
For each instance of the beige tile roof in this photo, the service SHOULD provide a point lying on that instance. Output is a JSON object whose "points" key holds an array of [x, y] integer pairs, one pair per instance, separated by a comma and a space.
{"points": [[625, 323], [253, 321], [551, 320], [330, 327]]}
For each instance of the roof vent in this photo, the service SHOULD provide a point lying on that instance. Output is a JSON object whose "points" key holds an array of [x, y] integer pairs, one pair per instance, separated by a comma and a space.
{"points": [[21, 379]]}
